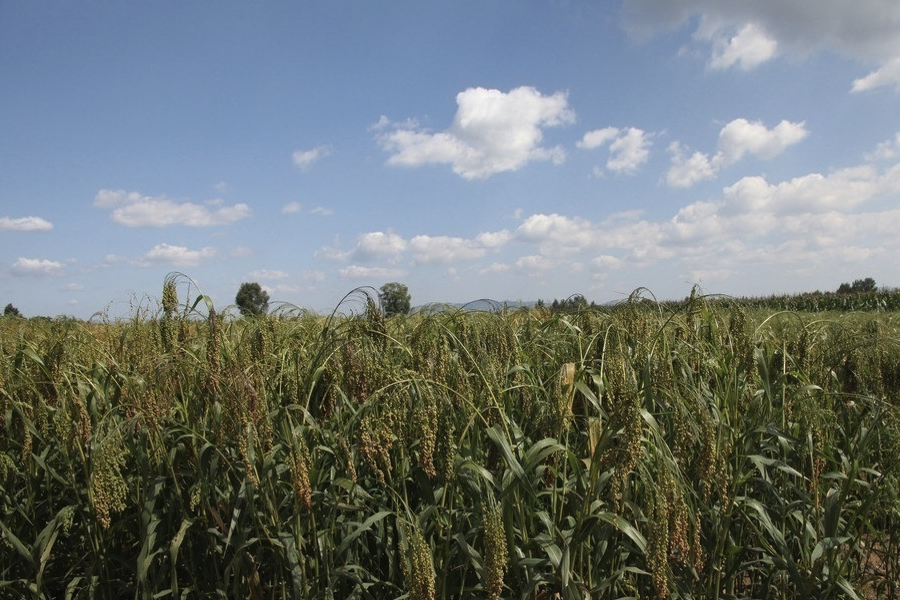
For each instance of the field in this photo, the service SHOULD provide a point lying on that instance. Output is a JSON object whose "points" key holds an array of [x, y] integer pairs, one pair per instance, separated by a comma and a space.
{"points": [[705, 449]]}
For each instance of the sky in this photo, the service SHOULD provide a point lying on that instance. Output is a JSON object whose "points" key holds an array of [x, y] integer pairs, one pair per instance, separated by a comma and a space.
{"points": [[502, 149]]}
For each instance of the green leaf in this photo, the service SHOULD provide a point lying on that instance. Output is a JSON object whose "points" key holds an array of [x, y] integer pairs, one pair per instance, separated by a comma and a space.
{"points": [[364, 527]]}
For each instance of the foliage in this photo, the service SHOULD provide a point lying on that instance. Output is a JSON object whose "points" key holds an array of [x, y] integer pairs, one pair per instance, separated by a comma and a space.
{"points": [[11, 311], [573, 303], [252, 300], [859, 286], [394, 298], [701, 450]]}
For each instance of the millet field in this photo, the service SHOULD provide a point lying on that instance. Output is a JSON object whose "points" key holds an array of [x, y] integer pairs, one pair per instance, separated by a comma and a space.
{"points": [[703, 449]]}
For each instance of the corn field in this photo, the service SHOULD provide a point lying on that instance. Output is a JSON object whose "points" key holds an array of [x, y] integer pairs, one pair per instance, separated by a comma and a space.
{"points": [[700, 450]]}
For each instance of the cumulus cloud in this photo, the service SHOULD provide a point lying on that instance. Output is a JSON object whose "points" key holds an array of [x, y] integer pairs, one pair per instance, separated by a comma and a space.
{"points": [[688, 170], [136, 210], [741, 136], [837, 219], [607, 262], [378, 245], [291, 208], [492, 132], [37, 267], [745, 34], [494, 269], [25, 224], [805, 222], [597, 138], [444, 249], [748, 48], [420, 249], [628, 148], [815, 219], [886, 75], [886, 150], [304, 159], [494, 239], [736, 139], [176, 256], [842, 190], [536, 264]]}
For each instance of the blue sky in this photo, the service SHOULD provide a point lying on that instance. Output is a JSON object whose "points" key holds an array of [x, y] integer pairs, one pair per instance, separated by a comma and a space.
{"points": [[469, 149]]}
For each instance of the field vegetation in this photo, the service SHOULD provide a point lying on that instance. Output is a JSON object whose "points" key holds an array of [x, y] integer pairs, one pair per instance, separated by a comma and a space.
{"points": [[704, 449]]}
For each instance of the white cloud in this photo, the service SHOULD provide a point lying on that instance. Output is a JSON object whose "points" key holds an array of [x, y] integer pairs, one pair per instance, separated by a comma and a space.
{"points": [[553, 228], [494, 239], [886, 150], [598, 137], [494, 268], [291, 208], [688, 170], [25, 224], [176, 256], [811, 218], [420, 249], [557, 235], [358, 272], [628, 148], [321, 211], [886, 75], [135, 210], [492, 132], [810, 222], [629, 151], [736, 139], [866, 30], [748, 48], [444, 249], [378, 245], [742, 136], [606, 262], [304, 159], [844, 189], [37, 267]]}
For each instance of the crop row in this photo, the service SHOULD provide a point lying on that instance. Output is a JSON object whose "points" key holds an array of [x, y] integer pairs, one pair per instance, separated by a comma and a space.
{"points": [[704, 450]]}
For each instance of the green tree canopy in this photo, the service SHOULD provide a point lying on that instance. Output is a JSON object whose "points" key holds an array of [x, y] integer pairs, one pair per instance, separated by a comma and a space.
{"points": [[395, 298], [11, 311], [252, 300], [859, 285]]}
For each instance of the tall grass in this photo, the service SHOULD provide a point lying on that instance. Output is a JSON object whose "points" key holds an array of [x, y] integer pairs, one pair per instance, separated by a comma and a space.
{"points": [[639, 451]]}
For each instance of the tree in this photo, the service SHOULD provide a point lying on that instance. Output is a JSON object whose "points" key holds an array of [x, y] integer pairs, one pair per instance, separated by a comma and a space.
{"points": [[394, 298], [864, 285], [252, 300], [859, 285], [11, 311]]}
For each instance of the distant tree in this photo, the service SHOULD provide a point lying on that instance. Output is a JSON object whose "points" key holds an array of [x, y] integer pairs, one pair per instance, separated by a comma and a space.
{"points": [[573, 303], [252, 300], [395, 299], [859, 285], [864, 285], [11, 311]]}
